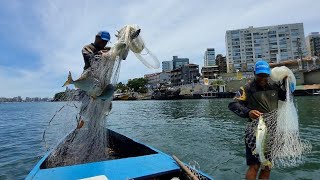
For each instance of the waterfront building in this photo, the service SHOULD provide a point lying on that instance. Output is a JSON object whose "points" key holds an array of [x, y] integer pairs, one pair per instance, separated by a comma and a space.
{"points": [[190, 73], [313, 44], [165, 77], [153, 79], [210, 72], [176, 77], [221, 62]]}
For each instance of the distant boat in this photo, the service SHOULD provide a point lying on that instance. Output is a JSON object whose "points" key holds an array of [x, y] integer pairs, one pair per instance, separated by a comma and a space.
{"points": [[316, 93], [191, 96], [121, 96], [209, 95], [212, 95], [134, 161]]}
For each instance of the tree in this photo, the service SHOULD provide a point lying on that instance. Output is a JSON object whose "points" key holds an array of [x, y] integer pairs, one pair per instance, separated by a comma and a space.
{"points": [[60, 96], [122, 87], [218, 82], [138, 85]]}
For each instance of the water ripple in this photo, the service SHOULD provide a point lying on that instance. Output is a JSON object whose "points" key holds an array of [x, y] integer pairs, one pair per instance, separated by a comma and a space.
{"points": [[195, 130]]}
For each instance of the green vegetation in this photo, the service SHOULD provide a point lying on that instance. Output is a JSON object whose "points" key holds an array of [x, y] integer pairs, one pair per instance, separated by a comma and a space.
{"points": [[122, 87], [60, 96], [138, 85], [218, 82]]}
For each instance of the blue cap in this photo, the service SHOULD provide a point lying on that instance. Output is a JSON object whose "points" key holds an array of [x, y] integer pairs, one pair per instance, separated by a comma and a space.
{"points": [[261, 67], [104, 35]]}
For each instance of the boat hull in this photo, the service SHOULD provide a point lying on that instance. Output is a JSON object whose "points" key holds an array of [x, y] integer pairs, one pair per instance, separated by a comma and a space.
{"points": [[134, 161]]}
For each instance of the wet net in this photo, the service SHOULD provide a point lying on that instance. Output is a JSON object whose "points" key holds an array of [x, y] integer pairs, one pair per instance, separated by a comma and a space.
{"points": [[88, 140], [283, 145]]}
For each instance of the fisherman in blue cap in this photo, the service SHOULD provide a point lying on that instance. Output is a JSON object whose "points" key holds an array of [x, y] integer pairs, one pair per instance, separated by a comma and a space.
{"points": [[98, 47], [251, 101]]}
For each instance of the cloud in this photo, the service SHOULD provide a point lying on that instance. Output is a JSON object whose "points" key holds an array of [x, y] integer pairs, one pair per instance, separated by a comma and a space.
{"points": [[55, 31]]}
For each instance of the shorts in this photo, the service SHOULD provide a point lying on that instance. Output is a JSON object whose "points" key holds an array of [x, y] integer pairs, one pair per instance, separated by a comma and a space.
{"points": [[251, 159]]}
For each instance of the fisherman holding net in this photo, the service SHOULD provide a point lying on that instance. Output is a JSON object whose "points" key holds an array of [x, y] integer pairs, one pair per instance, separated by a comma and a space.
{"points": [[257, 98], [88, 142]]}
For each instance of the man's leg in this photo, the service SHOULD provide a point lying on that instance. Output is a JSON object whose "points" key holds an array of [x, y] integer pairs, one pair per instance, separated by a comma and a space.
{"points": [[253, 163], [252, 171], [265, 173]]}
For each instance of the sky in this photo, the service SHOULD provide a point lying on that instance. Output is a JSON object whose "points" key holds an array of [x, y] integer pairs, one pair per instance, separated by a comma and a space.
{"points": [[41, 40]]}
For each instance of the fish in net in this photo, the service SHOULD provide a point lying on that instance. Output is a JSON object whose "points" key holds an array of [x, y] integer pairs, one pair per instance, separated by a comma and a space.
{"points": [[282, 145]]}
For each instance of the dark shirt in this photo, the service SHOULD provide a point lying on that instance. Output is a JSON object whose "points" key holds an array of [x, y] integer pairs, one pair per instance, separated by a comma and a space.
{"points": [[253, 97], [88, 52]]}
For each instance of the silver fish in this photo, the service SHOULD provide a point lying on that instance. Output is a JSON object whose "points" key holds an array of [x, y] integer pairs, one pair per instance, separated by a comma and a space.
{"points": [[88, 84], [261, 136]]}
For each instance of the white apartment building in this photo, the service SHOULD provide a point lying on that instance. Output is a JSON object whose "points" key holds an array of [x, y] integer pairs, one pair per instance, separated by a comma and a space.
{"points": [[270, 43], [210, 57]]}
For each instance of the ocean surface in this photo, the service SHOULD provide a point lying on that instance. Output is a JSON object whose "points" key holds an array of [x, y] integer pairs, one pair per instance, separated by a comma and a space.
{"points": [[199, 132]]}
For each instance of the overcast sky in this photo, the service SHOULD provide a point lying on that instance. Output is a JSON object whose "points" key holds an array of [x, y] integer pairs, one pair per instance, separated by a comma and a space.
{"points": [[41, 40]]}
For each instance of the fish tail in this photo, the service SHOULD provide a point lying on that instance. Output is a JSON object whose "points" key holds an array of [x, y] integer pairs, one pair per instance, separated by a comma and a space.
{"points": [[267, 163], [254, 152], [69, 80]]}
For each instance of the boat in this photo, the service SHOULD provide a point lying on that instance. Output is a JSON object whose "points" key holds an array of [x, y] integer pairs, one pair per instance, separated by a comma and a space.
{"points": [[316, 93], [209, 95], [212, 95], [135, 160], [191, 96]]}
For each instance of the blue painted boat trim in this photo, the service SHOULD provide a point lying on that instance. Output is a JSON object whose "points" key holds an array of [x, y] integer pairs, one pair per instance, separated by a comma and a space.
{"points": [[125, 168]]}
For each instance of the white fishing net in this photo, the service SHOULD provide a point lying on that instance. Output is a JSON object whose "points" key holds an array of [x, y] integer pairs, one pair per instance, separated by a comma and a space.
{"points": [[138, 47], [279, 73], [148, 58], [88, 141], [283, 146], [194, 167]]}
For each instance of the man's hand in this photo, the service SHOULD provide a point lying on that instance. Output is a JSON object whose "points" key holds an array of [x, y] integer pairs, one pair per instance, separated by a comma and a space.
{"points": [[254, 114]]}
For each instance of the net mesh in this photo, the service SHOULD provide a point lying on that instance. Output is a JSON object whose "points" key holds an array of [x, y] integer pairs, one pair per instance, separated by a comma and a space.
{"points": [[283, 145], [88, 141]]}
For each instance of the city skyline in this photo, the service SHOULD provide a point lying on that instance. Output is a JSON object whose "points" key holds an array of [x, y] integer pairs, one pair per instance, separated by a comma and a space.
{"points": [[40, 46]]}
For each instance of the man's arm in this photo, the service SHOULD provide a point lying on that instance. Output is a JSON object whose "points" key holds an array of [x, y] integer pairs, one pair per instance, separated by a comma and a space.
{"points": [[239, 106], [87, 55]]}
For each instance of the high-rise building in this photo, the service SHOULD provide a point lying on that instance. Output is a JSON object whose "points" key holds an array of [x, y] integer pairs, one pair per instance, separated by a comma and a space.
{"points": [[313, 43], [179, 62], [209, 57], [270, 43], [167, 65]]}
